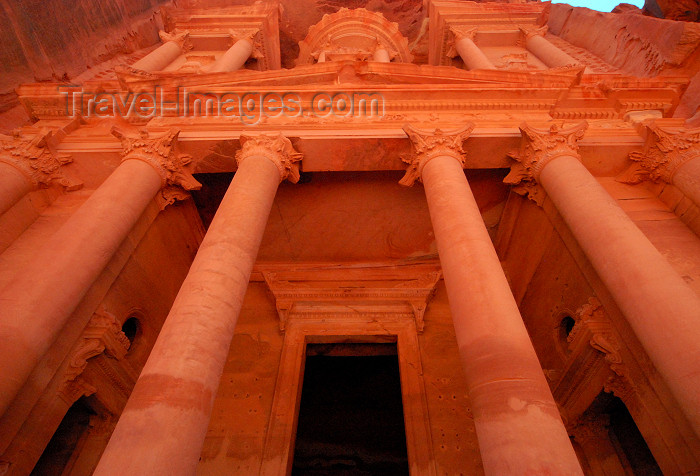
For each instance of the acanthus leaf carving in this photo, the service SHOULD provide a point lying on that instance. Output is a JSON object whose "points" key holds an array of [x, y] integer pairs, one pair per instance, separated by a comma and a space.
{"points": [[162, 154], [103, 334], [456, 34], [277, 148], [430, 144], [664, 152], [537, 148], [37, 159]]}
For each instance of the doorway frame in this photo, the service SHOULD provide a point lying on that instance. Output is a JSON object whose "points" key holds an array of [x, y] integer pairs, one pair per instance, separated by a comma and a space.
{"points": [[278, 451]]}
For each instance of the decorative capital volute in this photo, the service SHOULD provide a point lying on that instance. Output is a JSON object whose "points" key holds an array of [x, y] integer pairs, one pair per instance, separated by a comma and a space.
{"points": [[182, 38], [537, 148], [277, 148], [663, 154], [529, 32], [457, 34], [37, 159], [161, 153], [430, 144]]}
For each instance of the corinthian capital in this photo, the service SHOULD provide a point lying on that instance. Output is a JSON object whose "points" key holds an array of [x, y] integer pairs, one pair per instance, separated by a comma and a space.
{"points": [[430, 144], [182, 38], [161, 153], [456, 34], [37, 160], [529, 32], [537, 148], [277, 148], [664, 152]]}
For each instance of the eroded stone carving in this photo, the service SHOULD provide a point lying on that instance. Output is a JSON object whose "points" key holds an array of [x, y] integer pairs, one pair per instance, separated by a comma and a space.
{"points": [[37, 160], [664, 152], [537, 148], [182, 38], [277, 148], [103, 334], [430, 144], [162, 154]]}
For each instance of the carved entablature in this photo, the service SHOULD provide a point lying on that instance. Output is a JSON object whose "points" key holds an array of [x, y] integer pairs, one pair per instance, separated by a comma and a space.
{"points": [[161, 153], [537, 148], [36, 159], [336, 294], [353, 35], [664, 153], [103, 334], [430, 144], [277, 148], [181, 38]]}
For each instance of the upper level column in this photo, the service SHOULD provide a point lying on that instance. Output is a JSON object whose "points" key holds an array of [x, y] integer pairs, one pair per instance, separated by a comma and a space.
{"points": [[549, 54], [174, 44], [671, 156], [37, 302], [28, 164], [518, 425], [235, 57], [662, 309], [465, 47], [163, 426]]}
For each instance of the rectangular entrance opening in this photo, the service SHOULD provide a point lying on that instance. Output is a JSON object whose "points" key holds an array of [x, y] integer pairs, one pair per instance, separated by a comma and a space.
{"points": [[351, 414]]}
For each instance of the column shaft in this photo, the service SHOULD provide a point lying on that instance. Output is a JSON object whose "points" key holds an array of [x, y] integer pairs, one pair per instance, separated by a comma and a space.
{"points": [[162, 428], [13, 186], [548, 53], [687, 179], [160, 58], [517, 421], [662, 309], [234, 58], [472, 55], [381, 55], [39, 300]]}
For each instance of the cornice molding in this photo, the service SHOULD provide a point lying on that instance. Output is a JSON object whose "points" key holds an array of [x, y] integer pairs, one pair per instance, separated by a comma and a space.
{"points": [[276, 148], [430, 144]]}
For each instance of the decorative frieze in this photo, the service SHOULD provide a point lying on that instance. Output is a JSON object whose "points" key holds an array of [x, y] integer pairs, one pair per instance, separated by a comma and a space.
{"points": [[430, 144], [664, 153], [277, 148], [103, 334], [37, 159], [537, 148]]}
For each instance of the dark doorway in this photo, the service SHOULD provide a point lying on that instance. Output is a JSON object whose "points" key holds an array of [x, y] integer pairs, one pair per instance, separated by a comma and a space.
{"points": [[351, 415]]}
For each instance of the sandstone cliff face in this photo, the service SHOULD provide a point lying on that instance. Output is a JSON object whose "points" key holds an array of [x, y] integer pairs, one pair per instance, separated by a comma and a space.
{"points": [[42, 40], [682, 10]]}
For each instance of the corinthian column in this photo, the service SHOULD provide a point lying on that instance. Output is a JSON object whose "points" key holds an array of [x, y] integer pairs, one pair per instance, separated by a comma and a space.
{"points": [[671, 156], [541, 47], [174, 44], [465, 47], [517, 422], [28, 164], [39, 299], [235, 57], [662, 309], [163, 426]]}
